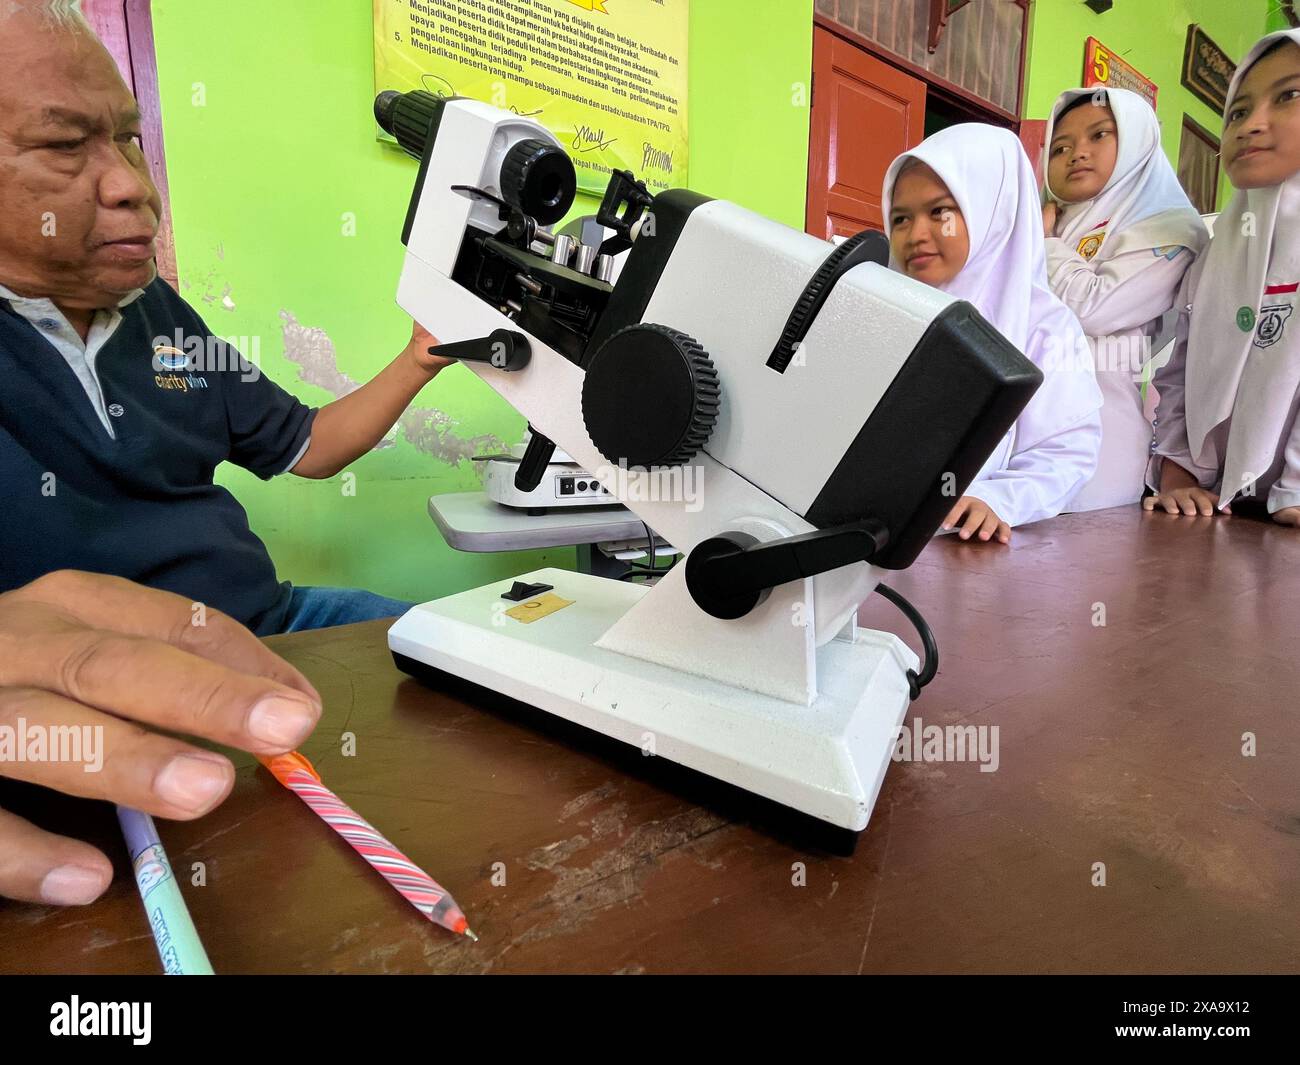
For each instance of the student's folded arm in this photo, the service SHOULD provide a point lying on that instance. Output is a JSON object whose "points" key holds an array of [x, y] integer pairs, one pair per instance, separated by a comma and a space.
{"points": [[1115, 295], [1170, 383], [1038, 482]]}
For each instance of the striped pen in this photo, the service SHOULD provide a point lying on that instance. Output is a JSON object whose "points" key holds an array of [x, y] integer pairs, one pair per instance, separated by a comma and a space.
{"points": [[412, 883]]}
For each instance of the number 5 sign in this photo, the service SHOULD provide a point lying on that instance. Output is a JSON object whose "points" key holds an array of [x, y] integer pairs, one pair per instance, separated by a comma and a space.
{"points": [[1103, 67]]}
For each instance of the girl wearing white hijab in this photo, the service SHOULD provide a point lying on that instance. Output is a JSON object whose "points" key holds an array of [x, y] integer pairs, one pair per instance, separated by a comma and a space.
{"points": [[1227, 425], [963, 213], [1121, 234]]}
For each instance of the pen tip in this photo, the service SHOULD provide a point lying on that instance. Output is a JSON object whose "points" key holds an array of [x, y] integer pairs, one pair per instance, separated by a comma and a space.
{"points": [[470, 932]]}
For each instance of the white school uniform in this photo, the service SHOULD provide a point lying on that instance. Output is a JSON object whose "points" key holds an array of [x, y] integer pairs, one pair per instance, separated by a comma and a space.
{"points": [[1051, 450], [1229, 395], [1117, 261]]}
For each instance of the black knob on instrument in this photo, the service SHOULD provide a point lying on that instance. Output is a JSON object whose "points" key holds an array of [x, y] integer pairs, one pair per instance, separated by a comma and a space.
{"points": [[650, 397], [539, 179]]}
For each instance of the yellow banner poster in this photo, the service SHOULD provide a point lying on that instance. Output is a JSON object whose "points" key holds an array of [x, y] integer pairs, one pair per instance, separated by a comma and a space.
{"points": [[607, 77]]}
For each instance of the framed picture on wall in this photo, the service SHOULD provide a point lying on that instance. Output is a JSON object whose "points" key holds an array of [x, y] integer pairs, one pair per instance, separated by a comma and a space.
{"points": [[1207, 70]]}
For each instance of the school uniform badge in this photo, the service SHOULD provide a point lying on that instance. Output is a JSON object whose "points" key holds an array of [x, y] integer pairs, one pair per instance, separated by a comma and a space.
{"points": [[1089, 245], [1271, 322], [1272, 318]]}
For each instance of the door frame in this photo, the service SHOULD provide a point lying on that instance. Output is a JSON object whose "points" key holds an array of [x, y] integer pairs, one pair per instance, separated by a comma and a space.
{"points": [[955, 94], [125, 27], [820, 140], [1190, 127]]}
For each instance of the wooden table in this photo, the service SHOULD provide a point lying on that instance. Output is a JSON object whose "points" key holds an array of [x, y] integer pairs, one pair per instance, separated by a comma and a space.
{"points": [[1119, 744]]}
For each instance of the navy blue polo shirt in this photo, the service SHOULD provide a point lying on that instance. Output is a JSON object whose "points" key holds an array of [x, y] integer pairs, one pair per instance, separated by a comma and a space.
{"points": [[142, 505]]}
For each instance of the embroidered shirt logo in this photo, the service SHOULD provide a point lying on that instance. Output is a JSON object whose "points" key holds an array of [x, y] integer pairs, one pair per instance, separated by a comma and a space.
{"points": [[1089, 245], [169, 358], [165, 358], [1272, 320], [1273, 316], [175, 382]]}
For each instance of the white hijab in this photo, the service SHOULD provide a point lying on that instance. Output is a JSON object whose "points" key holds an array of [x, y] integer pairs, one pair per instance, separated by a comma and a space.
{"points": [[1227, 377], [1005, 276], [1142, 204]]}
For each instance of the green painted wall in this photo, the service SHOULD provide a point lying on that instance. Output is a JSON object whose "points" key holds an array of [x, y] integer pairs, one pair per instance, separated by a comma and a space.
{"points": [[1149, 35], [271, 150], [751, 64]]}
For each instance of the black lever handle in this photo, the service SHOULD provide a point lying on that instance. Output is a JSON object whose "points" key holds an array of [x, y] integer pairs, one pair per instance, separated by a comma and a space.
{"points": [[532, 467], [729, 575], [503, 348]]}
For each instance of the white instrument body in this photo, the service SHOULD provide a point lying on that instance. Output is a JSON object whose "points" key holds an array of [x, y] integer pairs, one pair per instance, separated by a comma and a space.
{"points": [[792, 701]]}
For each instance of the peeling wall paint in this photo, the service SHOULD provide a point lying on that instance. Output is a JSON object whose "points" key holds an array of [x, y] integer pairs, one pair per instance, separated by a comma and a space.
{"points": [[430, 430]]}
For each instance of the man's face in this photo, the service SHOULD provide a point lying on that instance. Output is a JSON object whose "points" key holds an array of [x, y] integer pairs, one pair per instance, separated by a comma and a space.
{"points": [[78, 210]]}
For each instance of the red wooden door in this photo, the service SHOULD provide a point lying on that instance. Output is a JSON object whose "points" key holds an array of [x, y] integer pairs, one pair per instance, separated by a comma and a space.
{"points": [[1033, 131], [864, 113]]}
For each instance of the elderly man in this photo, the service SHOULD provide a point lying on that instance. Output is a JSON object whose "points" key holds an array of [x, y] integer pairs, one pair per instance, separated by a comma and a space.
{"points": [[109, 436], [106, 469]]}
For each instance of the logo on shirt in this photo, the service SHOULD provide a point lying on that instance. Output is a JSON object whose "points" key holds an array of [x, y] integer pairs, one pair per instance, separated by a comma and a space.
{"points": [[169, 358], [200, 353], [1091, 244], [176, 382], [1272, 318]]}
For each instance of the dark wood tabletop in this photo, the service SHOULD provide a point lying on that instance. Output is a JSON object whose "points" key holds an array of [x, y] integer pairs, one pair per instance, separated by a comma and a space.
{"points": [[1124, 743]]}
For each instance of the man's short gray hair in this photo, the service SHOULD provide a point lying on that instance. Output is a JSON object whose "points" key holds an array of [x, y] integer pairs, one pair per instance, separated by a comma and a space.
{"points": [[67, 14], [56, 14]]}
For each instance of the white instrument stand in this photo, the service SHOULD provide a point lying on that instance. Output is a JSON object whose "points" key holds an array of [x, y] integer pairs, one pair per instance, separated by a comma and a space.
{"points": [[825, 757]]}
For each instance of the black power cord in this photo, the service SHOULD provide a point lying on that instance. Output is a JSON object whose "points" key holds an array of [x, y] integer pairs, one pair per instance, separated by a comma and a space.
{"points": [[651, 569], [930, 666]]}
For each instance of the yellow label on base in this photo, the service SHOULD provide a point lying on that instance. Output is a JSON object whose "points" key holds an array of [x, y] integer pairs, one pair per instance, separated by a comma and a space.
{"points": [[531, 609]]}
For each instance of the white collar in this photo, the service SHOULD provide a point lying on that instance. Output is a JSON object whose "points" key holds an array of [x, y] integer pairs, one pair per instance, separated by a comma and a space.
{"points": [[42, 301]]}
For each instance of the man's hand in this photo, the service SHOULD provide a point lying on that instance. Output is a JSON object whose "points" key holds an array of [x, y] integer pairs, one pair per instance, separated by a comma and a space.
{"points": [[116, 661], [977, 518], [421, 341], [1049, 218], [1287, 516], [1181, 493]]}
